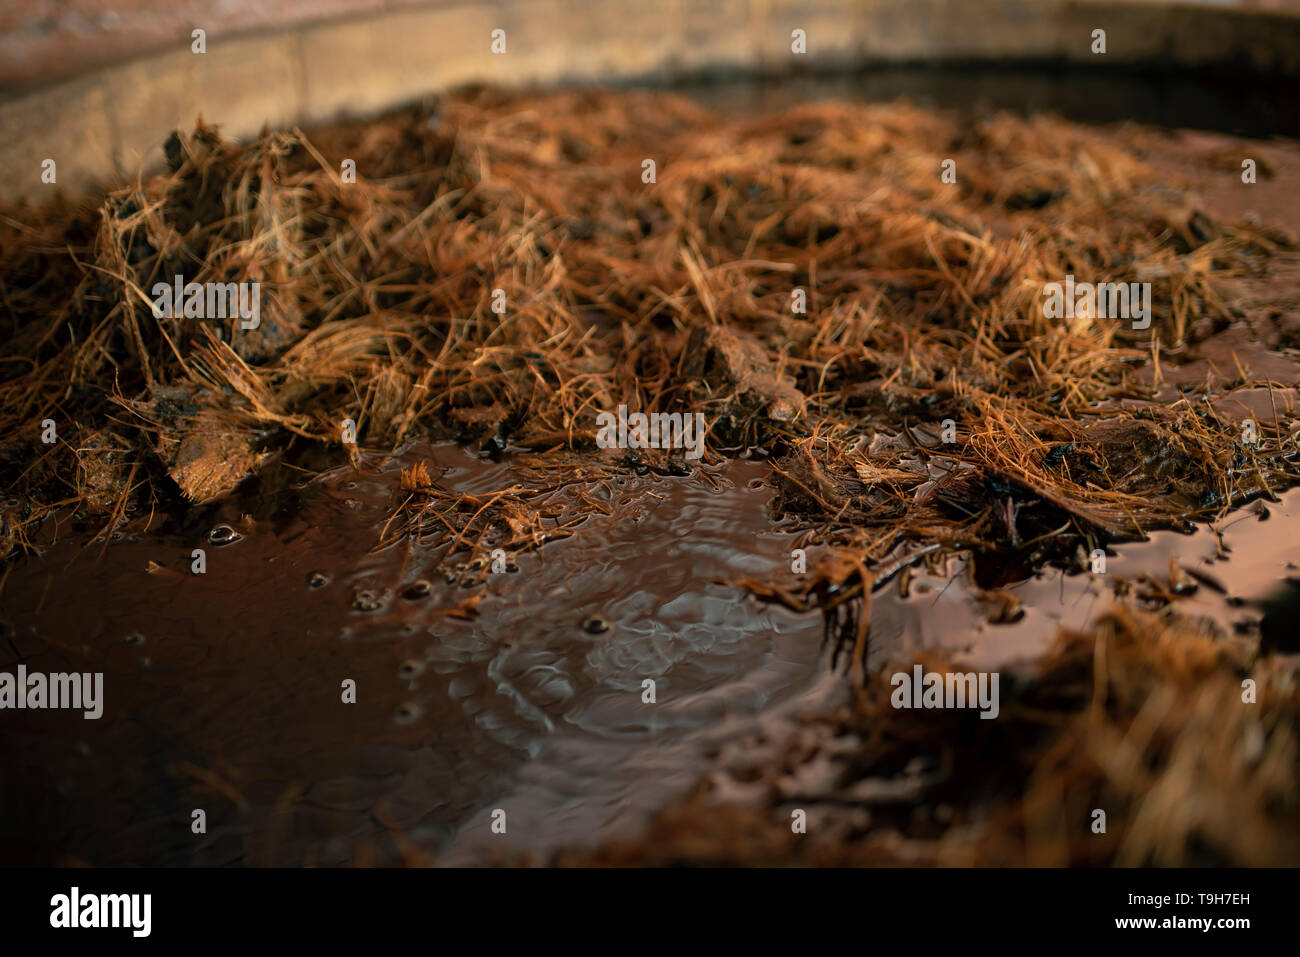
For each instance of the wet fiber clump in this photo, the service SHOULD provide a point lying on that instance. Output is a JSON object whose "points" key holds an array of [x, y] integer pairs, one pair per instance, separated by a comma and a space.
{"points": [[923, 306]]}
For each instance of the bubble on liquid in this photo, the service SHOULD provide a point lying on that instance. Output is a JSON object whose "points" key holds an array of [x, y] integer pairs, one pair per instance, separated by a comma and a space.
{"points": [[407, 713], [410, 668], [133, 639], [366, 600], [595, 625], [222, 535], [417, 589], [317, 580]]}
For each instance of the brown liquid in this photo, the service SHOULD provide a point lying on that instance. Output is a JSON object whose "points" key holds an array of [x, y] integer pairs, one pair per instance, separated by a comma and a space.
{"points": [[232, 701]]}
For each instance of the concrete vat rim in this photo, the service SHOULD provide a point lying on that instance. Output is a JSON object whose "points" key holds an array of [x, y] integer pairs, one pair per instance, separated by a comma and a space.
{"points": [[105, 126]]}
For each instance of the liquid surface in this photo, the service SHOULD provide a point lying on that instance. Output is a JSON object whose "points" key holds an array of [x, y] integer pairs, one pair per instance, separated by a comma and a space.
{"points": [[223, 689]]}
